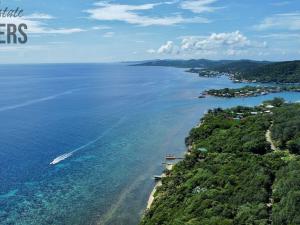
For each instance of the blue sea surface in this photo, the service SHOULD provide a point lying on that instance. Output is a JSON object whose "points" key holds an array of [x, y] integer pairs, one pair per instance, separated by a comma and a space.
{"points": [[108, 126]]}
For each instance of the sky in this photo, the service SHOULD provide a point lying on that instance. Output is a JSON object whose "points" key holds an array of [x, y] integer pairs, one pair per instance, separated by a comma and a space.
{"points": [[65, 31]]}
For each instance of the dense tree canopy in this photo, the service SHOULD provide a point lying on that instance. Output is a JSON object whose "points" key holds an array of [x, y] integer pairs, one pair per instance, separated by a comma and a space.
{"points": [[279, 72], [286, 127], [238, 180]]}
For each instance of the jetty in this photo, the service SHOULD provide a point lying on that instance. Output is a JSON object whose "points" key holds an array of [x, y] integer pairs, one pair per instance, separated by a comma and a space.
{"points": [[157, 177], [172, 157]]}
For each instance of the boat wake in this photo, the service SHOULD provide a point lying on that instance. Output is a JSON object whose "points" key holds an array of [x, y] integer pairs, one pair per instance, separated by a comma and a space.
{"points": [[69, 154], [34, 101]]}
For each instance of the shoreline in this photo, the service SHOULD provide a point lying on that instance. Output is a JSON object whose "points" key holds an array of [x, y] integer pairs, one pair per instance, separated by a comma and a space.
{"points": [[151, 197], [249, 91], [249, 161], [169, 167]]}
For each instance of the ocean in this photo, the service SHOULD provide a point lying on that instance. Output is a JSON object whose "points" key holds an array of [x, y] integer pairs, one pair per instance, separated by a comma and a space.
{"points": [[80, 143]]}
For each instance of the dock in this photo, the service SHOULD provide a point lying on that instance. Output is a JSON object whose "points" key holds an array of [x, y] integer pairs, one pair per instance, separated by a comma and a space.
{"points": [[159, 177], [172, 157]]}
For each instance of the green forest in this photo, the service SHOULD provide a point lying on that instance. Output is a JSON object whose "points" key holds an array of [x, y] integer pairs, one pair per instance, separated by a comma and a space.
{"points": [[262, 71], [230, 174], [278, 72]]}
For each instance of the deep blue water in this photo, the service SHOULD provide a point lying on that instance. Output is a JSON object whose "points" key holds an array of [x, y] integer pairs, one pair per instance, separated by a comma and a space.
{"points": [[117, 122]]}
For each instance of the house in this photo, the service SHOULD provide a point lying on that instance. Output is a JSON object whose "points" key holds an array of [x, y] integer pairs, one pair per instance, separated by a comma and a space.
{"points": [[269, 106], [202, 150]]}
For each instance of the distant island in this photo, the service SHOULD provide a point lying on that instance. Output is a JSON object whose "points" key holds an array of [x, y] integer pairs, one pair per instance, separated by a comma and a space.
{"points": [[242, 167], [192, 63], [239, 70], [250, 91]]}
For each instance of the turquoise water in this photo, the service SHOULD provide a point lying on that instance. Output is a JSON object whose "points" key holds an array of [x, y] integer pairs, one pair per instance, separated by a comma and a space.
{"points": [[107, 127]]}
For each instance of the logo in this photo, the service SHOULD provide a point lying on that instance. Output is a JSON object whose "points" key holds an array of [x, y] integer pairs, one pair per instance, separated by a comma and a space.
{"points": [[12, 29]]}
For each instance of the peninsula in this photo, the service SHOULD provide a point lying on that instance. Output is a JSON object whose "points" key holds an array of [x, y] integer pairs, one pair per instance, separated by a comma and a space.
{"points": [[250, 91]]}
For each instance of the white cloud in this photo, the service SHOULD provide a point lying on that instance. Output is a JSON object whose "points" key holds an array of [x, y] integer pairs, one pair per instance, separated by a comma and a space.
{"points": [[215, 41], [14, 48], [235, 52], [36, 24], [151, 51], [108, 34], [234, 43], [57, 42], [131, 14], [101, 28], [285, 21], [39, 16], [62, 31], [281, 36], [199, 6], [167, 48]]}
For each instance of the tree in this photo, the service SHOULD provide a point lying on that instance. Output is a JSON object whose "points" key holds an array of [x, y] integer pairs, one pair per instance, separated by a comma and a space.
{"points": [[294, 146]]}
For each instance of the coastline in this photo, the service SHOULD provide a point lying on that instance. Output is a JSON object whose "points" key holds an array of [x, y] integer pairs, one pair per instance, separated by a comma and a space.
{"points": [[169, 167], [151, 197], [226, 170]]}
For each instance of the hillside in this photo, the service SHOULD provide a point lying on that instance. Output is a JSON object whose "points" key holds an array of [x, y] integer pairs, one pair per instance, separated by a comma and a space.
{"points": [[261, 71], [241, 66], [278, 72], [192, 63], [220, 65], [238, 179], [281, 72]]}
